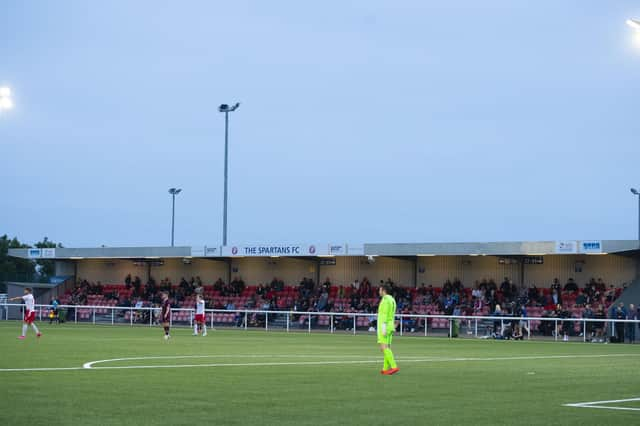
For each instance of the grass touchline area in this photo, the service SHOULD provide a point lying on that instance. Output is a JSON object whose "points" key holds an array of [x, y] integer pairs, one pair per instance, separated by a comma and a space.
{"points": [[99, 375]]}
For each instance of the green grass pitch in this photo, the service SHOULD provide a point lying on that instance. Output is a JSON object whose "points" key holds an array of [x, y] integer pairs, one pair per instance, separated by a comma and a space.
{"points": [[237, 377]]}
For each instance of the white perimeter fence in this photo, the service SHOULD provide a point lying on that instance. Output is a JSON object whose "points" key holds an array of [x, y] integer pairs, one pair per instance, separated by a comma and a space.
{"points": [[412, 324]]}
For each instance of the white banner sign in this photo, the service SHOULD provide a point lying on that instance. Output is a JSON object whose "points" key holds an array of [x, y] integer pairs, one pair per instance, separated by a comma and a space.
{"points": [[590, 247], [337, 249], [211, 251], [34, 253], [206, 251], [566, 247], [49, 253], [355, 250], [274, 250]]}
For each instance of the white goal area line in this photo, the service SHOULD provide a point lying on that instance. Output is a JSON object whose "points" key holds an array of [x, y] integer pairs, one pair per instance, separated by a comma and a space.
{"points": [[596, 404], [333, 360]]}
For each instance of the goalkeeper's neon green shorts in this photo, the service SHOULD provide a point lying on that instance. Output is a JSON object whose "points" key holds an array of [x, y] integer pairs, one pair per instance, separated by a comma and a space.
{"points": [[384, 339]]}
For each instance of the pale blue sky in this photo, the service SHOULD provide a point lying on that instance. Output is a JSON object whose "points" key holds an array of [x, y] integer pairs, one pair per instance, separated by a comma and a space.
{"points": [[361, 121]]}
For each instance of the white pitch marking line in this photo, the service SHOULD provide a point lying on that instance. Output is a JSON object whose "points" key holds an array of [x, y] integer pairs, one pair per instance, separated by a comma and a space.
{"points": [[605, 402], [592, 404], [90, 365], [41, 369], [239, 364], [603, 407]]}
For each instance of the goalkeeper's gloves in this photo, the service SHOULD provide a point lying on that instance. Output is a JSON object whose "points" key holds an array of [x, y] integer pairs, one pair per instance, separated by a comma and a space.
{"points": [[384, 329]]}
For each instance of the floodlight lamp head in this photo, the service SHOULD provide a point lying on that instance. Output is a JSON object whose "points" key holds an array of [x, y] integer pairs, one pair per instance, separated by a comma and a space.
{"points": [[6, 103], [634, 23], [227, 108], [635, 191]]}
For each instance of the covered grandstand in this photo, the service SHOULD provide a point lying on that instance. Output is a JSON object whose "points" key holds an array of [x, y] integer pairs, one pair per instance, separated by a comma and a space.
{"points": [[430, 279]]}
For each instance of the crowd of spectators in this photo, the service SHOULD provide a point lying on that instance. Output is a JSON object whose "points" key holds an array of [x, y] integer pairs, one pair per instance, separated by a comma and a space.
{"points": [[234, 288], [452, 298]]}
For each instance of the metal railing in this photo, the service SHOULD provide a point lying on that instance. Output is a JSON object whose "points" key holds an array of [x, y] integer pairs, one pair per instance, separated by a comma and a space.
{"points": [[412, 324]]}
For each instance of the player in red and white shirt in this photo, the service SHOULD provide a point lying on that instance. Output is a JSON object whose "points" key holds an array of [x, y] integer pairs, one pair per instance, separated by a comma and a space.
{"points": [[29, 312], [200, 321]]}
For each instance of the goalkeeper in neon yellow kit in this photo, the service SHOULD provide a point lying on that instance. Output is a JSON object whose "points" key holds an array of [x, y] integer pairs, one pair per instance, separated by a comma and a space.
{"points": [[386, 326]]}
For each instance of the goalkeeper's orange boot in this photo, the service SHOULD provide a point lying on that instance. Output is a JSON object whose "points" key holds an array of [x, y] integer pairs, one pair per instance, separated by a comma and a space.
{"points": [[391, 371]]}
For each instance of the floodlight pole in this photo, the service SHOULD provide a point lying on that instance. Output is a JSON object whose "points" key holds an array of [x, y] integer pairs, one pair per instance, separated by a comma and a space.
{"points": [[173, 216], [173, 192], [226, 176], [637, 194], [226, 109], [638, 215]]}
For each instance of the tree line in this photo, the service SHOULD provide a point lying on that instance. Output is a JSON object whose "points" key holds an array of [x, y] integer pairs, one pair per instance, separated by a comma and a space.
{"points": [[24, 270]]}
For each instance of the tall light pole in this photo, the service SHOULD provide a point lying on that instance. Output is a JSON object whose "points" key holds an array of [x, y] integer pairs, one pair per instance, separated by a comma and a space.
{"points": [[637, 193], [226, 109], [5, 98], [173, 192]]}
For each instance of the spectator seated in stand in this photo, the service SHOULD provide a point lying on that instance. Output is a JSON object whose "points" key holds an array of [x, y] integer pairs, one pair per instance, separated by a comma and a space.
{"points": [[237, 286], [373, 322], [571, 285]]}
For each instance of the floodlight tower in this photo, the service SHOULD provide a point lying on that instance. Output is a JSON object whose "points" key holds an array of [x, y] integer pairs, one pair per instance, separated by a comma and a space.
{"points": [[226, 109], [637, 193], [173, 192]]}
